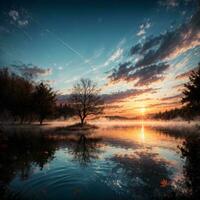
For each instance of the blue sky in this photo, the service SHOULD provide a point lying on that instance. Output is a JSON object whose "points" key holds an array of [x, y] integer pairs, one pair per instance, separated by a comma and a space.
{"points": [[63, 41]]}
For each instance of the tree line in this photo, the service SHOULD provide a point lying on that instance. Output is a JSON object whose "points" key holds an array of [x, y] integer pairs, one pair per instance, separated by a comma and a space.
{"points": [[24, 100], [183, 112]]}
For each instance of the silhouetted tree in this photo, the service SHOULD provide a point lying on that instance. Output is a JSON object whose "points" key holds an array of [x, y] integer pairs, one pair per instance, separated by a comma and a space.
{"points": [[85, 99], [192, 92], [15, 94], [22, 100], [44, 101]]}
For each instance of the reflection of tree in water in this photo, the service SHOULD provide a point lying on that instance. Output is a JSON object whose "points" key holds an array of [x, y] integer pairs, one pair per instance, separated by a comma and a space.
{"points": [[18, 152], [189, 187], [85, 149], [144, 175]]}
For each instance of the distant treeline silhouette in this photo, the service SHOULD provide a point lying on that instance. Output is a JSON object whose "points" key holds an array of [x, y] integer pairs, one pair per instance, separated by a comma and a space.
{"points": [[23, 100], [190, 100], [184, 113]]}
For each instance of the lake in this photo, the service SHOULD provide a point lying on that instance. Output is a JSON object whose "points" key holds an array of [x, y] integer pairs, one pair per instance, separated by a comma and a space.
{"points": [[139, 161]]}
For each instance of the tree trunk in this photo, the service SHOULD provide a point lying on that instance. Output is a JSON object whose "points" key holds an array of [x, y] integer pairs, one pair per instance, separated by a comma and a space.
{"points": [[22, 120], [82, 121], [41, 120]]}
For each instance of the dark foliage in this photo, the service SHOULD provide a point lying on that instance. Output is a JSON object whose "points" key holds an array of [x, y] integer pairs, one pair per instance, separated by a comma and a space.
{"points": [[184, 112], [188, 188], [44, 101], [192, 91], [23, 100]]}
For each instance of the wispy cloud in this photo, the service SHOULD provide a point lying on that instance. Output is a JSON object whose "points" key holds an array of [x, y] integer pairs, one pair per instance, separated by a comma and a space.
{"points": [[14, 14], [122, 95], [175, 97], [186, 75], [169, 3], [60, 68], [18, 18], [143, 27], [114, 57], [31, 70]]}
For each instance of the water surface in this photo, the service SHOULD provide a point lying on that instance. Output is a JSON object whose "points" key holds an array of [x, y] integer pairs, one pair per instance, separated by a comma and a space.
{"points": [[129, 162]]}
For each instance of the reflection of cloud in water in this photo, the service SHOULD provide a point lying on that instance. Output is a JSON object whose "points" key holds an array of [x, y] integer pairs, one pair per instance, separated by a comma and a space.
{"points": [[143, 173], [118, 143]]}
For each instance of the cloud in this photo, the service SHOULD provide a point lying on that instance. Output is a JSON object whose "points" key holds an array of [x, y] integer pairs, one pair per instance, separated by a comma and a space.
{"points": [[186, 74], [170, 44], [169, 3], [23, 22], [121, 73], [14, 14], [18, 18], [143, 27], [175, 97], [154, 53], [120, 96], [165, 104], [174, 3], [142, 76], [60, 68], [149, 74], [115, 56], [31, 70], [113, 97], [141, 32]]}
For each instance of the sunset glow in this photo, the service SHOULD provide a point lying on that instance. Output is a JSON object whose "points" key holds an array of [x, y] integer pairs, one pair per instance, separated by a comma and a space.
{"points": [[126, 54], [143, 110]]}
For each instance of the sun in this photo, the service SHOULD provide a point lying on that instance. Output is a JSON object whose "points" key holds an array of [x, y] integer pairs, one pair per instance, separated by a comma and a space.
{"points": [[142, 110]]}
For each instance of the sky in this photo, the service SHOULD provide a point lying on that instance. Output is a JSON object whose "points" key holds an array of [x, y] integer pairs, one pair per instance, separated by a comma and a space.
{"points": [[140, 53]]}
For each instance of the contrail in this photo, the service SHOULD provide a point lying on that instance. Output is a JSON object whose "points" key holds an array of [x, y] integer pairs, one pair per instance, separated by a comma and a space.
{"points": [[24, 32], [65, 44]]}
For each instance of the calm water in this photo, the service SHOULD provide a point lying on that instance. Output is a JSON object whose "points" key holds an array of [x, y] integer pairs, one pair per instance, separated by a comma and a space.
{"points": [[137, 162]]}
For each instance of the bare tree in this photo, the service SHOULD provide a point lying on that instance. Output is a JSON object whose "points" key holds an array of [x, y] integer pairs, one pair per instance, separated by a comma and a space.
{"points": [[85, 99]]}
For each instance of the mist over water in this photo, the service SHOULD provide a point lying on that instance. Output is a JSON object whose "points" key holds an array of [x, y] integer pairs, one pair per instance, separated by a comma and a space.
{"points": [[105, 123]]}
